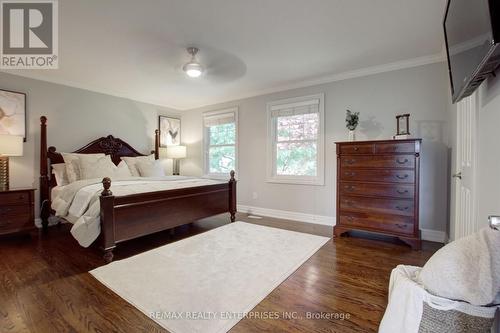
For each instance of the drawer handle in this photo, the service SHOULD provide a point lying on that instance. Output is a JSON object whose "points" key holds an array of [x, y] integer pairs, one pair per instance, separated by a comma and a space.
{"points": [[356, 148], [349, 218], [349, 203], [401, 226], [5, 210], [351, 161], [402, 208], [402, 191], [350, 174], [402, 177], [5, 222], [350, 187], [399, 161]]}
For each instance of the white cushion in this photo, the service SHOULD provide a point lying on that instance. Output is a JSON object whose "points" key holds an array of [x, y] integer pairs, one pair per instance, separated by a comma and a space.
{"points": [[102, 167], [122, 170], [59, 171], [150, 168], [132, 161], [72, 164]]}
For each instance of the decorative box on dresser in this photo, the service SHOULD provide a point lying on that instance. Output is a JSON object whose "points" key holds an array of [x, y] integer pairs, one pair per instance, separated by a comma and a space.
{"points": [[378, 188], [17, 211]]}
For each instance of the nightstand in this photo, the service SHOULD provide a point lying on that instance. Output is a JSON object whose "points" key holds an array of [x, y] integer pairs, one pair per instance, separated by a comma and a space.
{"points": [[17, 211]]}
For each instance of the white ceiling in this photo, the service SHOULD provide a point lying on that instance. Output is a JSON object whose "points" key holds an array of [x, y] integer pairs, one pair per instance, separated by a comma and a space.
{"points": [[136, 48]]}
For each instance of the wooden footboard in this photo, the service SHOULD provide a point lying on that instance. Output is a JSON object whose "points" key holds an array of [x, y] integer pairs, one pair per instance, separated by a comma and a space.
{"points": [[132, 216]]}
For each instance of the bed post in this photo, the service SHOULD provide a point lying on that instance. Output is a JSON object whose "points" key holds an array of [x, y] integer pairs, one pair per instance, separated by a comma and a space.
{"points": [[157, 144], [44, 175], [232, 196], [107, 220]]}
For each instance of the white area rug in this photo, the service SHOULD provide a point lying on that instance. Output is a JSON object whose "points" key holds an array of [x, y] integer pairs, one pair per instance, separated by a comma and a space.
{"points": [[205, 283]]}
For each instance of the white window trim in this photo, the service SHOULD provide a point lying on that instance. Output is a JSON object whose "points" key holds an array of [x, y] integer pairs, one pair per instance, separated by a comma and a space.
{"points": [[221, 176], [271, 160]]}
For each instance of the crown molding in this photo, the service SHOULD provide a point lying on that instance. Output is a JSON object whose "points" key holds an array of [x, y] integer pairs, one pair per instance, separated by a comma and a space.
{"points": [[94, 89], [367, 71], [389, 67]]}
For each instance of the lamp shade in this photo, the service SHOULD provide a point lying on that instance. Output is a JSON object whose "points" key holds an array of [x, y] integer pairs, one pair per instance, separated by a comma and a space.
{"points": [[176, 152], [11, 145]]}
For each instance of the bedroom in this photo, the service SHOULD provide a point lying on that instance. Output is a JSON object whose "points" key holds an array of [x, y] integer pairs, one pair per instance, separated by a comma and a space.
{"points": [[264, 69]]}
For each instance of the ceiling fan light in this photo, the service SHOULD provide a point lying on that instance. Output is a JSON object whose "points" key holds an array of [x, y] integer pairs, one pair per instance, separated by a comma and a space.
{"points": [[193, 69]]}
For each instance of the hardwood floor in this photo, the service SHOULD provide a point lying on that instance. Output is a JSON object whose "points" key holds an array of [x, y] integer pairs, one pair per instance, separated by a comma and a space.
{"points": [[45, 286]]}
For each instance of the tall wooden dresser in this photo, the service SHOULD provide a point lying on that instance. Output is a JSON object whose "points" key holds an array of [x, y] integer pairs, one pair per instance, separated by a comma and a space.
{"points": [[378, 188]]}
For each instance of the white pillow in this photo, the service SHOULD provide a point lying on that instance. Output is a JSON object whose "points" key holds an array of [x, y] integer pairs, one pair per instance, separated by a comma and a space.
{"points": [[132, 161], [122, 170], [150, 169], [102, 167], [59, 171], [72, 164]]}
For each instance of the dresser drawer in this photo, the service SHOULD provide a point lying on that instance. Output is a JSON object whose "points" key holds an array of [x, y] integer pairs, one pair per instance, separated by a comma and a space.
{"points": [[394, 147], [398, 191], [15, 218], [377, 205], [14, 210], [15, 198], [377, 222], [355, 148], [378, 175], [378, 161]]}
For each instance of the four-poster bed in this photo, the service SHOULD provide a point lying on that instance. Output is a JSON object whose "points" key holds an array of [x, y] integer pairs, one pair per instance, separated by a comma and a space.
{"points": [[130, 216]]}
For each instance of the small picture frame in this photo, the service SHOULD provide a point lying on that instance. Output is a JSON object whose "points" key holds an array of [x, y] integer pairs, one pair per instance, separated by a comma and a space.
{"points": [[403, 124], [170, 131], [13, 113]]}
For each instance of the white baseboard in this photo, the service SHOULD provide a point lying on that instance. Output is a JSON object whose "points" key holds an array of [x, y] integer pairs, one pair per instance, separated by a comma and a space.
{"points": [[287, 215], [434, 235], [52, 221], [427, 234]]}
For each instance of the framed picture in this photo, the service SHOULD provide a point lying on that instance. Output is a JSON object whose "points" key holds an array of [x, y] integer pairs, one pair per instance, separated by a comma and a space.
{"points": [[170, 131], [403, 124], [13, 113]]}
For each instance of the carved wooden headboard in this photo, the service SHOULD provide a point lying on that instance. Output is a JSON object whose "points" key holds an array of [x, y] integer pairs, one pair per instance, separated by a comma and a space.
{"points": [[109, 145]]}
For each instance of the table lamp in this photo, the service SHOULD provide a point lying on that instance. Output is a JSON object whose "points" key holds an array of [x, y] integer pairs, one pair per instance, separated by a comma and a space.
{"points": [[176, 153], [10, 145]]}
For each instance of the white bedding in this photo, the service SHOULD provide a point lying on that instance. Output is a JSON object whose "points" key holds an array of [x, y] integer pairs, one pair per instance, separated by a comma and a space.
{"points": [[56, 192], [78, 202]]}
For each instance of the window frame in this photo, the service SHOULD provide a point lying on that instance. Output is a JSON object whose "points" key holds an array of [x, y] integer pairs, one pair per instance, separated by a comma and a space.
{"points": [[206, 146], [272, 177]]}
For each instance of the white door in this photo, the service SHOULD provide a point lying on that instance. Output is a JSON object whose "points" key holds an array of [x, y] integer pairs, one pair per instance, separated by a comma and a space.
{"points": [[465, 204]]}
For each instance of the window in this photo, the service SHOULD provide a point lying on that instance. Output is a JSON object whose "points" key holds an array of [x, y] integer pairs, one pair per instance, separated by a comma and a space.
{"points": [[220, 131], [295, 140]]}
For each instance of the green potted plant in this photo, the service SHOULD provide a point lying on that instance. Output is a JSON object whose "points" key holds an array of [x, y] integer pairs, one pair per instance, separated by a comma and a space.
{"points": [[352, 121]]}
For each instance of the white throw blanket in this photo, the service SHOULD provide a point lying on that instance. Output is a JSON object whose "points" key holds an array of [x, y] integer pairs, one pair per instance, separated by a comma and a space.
{"points": [[79, 203], [467, 269]]}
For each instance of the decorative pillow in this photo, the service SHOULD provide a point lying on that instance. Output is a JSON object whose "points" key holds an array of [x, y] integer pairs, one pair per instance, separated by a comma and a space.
{"points": [[150, 169], [59, 171], [122, 170], [72, 164], [102, 167], [132, 161]]}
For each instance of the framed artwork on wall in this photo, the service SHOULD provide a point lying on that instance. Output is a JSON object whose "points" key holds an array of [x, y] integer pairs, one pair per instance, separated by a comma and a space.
{"points": [[13, 113], [170, 131]]}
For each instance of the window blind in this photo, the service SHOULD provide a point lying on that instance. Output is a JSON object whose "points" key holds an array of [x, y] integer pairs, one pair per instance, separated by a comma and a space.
{"points": [[219, 119], [293, 109]]}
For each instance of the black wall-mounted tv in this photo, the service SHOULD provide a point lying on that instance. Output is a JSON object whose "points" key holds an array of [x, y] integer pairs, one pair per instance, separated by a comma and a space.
{"points": [[472, 34]]}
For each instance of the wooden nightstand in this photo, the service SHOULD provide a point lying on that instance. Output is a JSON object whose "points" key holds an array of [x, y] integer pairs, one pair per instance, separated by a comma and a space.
{"points": [[17, 211]]}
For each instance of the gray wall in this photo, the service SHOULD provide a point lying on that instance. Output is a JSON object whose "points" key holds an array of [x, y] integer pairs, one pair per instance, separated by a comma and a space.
{"points": [[76, 117], [421, 91]]}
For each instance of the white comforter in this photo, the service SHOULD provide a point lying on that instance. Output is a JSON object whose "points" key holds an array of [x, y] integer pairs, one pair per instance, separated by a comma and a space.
{"points": [[79, 204]]}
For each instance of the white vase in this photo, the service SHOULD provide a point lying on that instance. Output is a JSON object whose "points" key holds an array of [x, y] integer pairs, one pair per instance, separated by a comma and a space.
{"points": [[352, 135]]}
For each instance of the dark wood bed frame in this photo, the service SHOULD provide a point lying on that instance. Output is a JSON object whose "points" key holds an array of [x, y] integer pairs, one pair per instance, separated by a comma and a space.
{"points": [[131, 216]]}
